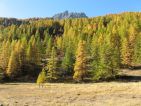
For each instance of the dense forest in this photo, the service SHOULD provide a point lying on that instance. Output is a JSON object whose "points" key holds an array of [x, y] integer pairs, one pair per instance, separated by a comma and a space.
{"points": [[70, 49]]}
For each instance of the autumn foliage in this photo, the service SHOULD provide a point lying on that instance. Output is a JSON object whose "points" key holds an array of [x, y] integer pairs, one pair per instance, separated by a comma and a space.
{"points": [[94, 48]]}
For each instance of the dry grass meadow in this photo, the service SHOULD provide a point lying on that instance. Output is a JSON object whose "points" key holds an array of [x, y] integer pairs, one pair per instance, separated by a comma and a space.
{"points": [[92, 94], [118, 93]]}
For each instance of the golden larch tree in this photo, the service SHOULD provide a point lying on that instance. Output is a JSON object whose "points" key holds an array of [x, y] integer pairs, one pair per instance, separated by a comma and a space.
{"points": [[80, 63]]}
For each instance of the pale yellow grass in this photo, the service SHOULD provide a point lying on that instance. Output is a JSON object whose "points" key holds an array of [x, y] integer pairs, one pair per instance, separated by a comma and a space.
{"points": [[94, 94]]}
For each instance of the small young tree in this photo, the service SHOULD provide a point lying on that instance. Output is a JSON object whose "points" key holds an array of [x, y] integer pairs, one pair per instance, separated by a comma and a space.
{"points": [[80, 63], [41, 78]]}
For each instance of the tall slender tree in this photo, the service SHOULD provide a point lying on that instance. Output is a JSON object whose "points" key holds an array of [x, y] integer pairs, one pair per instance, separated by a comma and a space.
{"points": [[67, 62], [13, 65], [52, 72], [80, 63]]}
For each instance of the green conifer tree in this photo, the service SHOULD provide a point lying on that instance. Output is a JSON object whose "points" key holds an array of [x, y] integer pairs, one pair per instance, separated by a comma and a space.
{"points": [[67, 62], [52, 73]]}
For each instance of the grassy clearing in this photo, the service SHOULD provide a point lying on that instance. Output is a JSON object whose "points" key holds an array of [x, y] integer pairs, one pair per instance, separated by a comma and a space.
{"points": [[95, 94]]}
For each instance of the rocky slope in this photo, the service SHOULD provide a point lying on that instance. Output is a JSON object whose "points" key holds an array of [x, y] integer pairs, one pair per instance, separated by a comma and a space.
{"points": [[66, 14]]}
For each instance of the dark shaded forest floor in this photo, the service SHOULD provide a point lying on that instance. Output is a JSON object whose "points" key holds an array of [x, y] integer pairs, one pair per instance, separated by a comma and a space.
{"points": [[116, 93], [128, 75]]}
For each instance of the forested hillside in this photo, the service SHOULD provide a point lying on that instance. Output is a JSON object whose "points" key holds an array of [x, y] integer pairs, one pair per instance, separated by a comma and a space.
{"points": [[79, 49]]}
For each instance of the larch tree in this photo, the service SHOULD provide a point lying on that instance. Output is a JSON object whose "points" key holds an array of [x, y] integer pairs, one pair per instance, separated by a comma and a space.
{"points": [[41, 78], [125, 52], [132, 37], [33, 52], [52, 72], [49, 46], [128, 45], [13, 65], [15, 61], [80, 68], [4, 55], [137, 50], [67, 62]]}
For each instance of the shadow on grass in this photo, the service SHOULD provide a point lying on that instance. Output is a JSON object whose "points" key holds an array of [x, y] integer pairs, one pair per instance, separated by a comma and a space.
{"points": [[127, 78], [119, 78], [15, 83]]}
